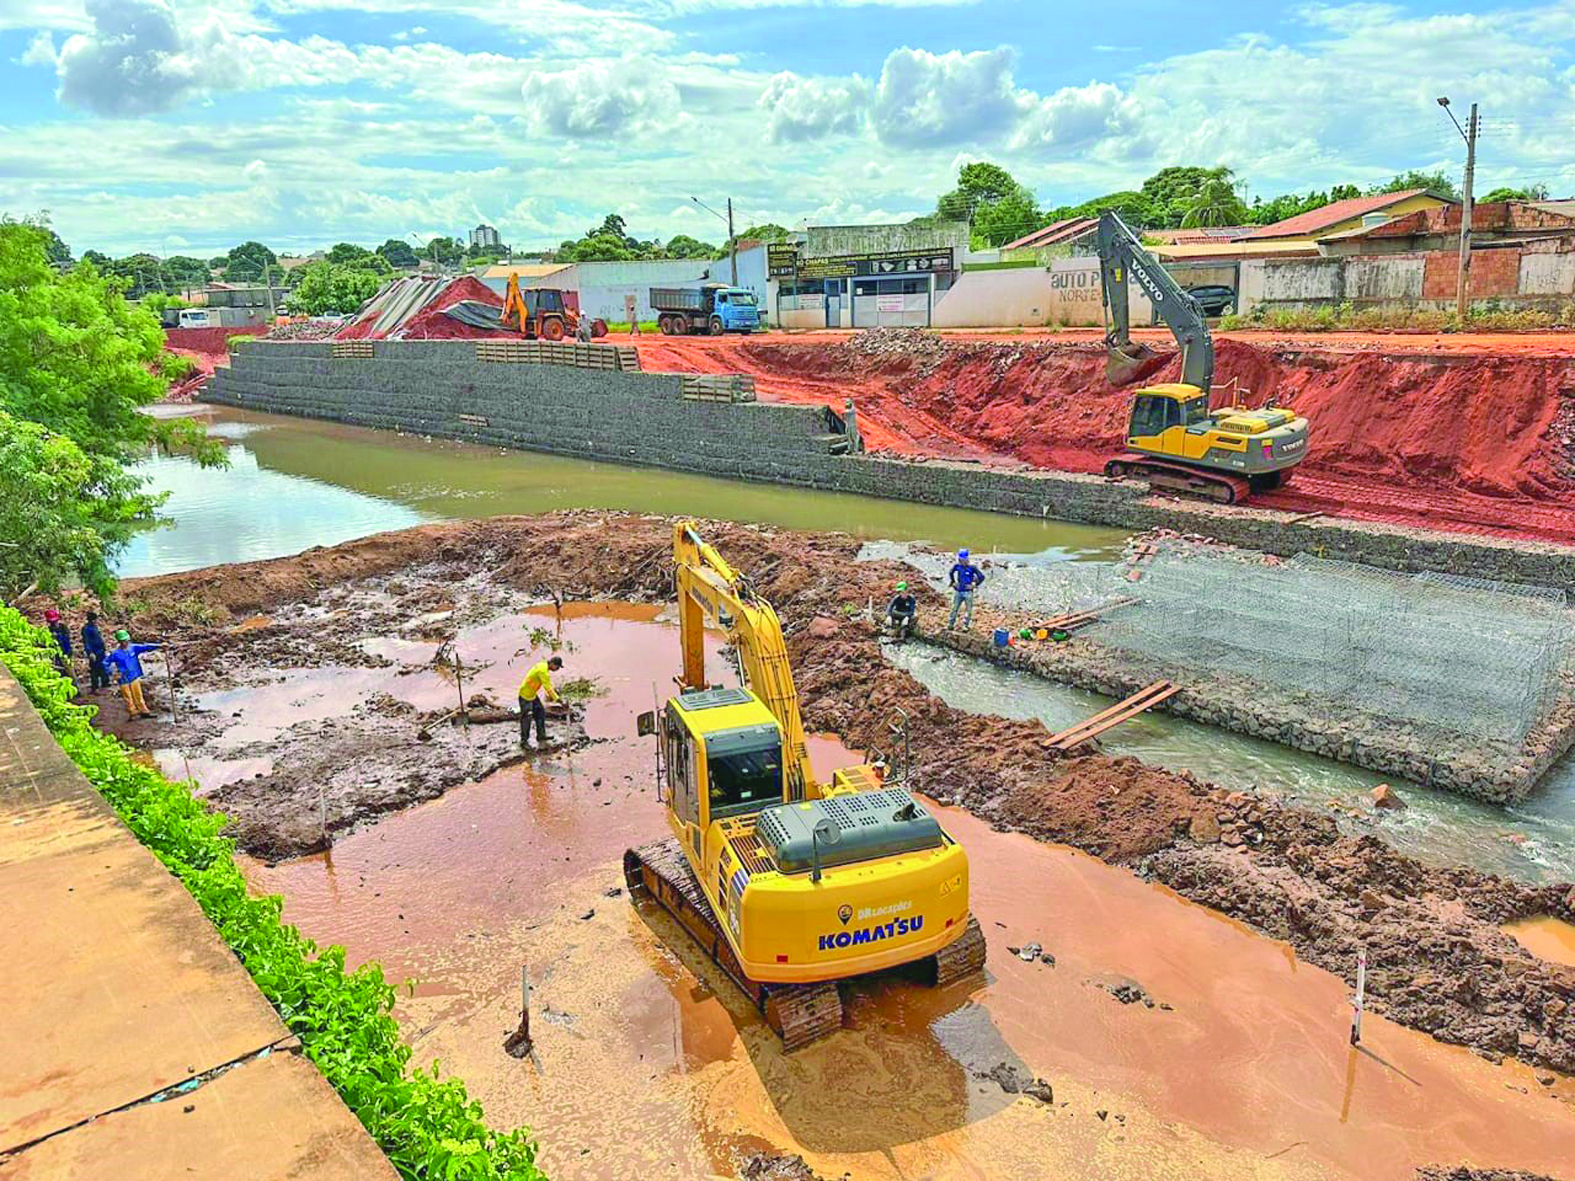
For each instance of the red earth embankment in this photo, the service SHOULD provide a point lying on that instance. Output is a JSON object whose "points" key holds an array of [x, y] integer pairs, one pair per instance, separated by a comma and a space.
{"points": [[1482, 441], [206, 349]]}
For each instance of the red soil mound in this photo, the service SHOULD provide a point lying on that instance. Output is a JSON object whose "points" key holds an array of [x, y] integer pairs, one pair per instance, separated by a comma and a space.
{"points": [[1482, 441]]}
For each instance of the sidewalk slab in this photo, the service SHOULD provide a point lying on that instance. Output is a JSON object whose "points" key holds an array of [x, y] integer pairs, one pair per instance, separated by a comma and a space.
{"points": [[118, 987]]}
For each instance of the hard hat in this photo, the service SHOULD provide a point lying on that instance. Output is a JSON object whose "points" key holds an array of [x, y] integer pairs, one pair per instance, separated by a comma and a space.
{"points": [[962, 555], [123, 634], [902, 586], [52, 615]]}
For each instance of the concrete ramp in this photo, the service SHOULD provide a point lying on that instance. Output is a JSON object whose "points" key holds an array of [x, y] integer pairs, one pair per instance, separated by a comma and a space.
{"points": [[136, 1045]]}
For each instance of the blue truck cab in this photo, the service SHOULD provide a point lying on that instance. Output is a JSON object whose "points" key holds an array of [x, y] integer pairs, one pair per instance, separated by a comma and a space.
{"points": [[712, 308]]}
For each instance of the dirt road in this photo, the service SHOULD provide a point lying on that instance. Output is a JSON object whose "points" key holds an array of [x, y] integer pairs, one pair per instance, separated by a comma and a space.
{"points": [[1468, 433]]}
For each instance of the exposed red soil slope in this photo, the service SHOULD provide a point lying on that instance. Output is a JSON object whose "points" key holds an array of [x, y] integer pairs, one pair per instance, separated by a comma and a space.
{"points": [[1479, 441]]}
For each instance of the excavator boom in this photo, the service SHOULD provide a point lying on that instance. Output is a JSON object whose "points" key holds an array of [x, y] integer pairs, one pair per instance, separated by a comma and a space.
{"points": [[1121, 254], [710, 589]]}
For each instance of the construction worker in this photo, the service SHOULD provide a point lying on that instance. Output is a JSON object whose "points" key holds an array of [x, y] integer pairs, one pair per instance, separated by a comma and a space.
{"points": [[903, 612], [62, 637], [93, 648], [964, 579], [537, 682], [126, 660]]}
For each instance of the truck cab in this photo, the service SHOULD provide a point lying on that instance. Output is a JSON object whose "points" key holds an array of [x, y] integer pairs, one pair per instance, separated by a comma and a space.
{"points": [[738, 309]]}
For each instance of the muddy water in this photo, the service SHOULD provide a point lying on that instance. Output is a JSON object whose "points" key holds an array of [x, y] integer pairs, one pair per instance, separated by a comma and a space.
{"points": [[1534, 841], [649, 1064], [294, 483], [1549, 938]]}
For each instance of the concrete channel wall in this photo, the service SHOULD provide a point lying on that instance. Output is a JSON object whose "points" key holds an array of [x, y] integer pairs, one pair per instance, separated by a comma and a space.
{"points": [[441, 388], [136, 1046]]}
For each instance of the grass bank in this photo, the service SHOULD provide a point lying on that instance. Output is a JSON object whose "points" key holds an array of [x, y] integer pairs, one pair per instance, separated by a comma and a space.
{"points": [[427, 1125]]}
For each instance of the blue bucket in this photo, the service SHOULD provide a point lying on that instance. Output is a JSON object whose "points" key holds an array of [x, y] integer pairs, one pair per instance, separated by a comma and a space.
{"points": [[1003, 638]]}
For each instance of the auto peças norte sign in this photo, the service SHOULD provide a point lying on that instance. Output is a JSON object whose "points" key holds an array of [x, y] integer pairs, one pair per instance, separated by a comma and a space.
{"points": [[885, 262]]}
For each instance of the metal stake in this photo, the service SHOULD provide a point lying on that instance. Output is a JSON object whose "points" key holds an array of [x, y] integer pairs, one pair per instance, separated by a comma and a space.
{"points": [[1360, 997]]}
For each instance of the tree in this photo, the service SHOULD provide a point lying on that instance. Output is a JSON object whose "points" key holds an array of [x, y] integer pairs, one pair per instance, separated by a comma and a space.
{"points": [[325, 288], [1529, 193], [447, 251], [683, 246], [98, 259], [991, 201], [1215, 203], [347, 254], [78, 364], [186, 271], [767, 232], [245, 262], [1433, 182], [596, 248], [397, 253]]}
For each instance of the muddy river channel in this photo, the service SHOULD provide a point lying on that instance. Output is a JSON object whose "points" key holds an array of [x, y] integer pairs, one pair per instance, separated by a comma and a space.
{"points": [[649, 1064]]}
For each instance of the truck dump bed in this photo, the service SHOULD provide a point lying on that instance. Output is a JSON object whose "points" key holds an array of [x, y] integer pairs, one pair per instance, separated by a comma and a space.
{"points": [[678, 299]]}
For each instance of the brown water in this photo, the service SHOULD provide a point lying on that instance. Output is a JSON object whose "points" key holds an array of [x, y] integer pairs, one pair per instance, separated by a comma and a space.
{"points": [[1547, 937], [650, 1064], [294, 483]]}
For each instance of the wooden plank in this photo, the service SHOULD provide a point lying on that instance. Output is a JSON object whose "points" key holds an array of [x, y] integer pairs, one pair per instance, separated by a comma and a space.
{"points": [[1144, 699]]}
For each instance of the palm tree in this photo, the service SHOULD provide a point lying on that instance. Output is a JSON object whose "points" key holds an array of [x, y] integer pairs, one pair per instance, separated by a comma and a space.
{"points": [[1214, 204]]}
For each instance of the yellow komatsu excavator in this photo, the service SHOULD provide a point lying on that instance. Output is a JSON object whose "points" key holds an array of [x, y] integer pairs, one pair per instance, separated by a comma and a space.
{"points": [[789, 884], [1173, 439]]}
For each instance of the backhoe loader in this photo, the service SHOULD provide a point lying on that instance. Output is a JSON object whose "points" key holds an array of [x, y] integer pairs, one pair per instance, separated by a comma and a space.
{"points": [[788, 883], [1173, 439]]}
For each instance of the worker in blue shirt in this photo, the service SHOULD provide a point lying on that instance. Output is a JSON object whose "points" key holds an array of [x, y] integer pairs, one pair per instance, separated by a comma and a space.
{"points": [[126, 660], [93, 647], [62, 637], [964, 579]]}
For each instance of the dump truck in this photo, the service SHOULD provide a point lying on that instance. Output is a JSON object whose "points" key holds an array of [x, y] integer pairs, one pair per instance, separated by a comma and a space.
{"points": [[789, 883], [712, 307], [1174, 440]]}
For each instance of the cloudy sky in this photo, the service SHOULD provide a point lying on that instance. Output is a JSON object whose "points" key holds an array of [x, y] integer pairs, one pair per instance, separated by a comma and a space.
{"points": [[174, 127]]}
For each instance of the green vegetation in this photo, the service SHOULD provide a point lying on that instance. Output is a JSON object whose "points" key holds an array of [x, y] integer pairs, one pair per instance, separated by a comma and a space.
{"points": [[612, 242], [1346, 317], [325, 288], [1529, 193], [581, 689], [1000, 210], [396, 252], [77, 364], [427, 1125]]}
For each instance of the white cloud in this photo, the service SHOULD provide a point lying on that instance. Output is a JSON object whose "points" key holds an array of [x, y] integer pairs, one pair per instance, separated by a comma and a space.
{"points": [[799, 109], [40, 50], [936, 99], [1075, 115], [601, 98]]}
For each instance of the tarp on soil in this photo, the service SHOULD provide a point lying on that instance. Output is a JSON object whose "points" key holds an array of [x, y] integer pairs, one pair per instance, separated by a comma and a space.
{"points": [[476, 314], [404, 304]]}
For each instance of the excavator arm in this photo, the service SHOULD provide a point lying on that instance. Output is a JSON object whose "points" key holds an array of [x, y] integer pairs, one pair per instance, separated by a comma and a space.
{"points": [[711, 590], [1121, 254]]}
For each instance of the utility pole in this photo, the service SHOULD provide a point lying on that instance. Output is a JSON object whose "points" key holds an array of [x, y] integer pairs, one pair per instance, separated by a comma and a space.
{"points": [[1463, 277], [732, 242], [268, 287], [1463, 286]]}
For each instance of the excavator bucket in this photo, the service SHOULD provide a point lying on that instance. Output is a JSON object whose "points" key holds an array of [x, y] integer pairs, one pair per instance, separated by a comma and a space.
{"points": [[1126, 363]]}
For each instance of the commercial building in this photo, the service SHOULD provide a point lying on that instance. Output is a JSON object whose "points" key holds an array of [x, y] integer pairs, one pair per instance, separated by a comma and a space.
{"points": [[866, 276], [484, 237]]}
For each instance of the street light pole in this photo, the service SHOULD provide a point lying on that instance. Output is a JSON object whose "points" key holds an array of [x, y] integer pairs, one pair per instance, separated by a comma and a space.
{"points": [[1463, 276], [732, 242]]}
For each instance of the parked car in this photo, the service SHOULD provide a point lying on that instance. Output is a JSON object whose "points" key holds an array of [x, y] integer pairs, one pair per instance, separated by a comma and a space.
{"points": [[1216, 298]]}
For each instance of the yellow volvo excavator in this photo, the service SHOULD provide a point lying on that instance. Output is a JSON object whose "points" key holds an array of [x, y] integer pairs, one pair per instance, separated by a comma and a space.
{"points": [[788, 883], [1173, 439]]}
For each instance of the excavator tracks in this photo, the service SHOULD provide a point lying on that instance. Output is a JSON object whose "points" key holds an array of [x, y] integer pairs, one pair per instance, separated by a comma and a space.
{"points": [[800, 1013], [1220, 487], [962, 956]]}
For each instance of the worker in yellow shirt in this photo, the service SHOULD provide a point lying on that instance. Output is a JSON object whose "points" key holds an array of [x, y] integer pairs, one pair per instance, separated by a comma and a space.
{"points": [[537, 682]]}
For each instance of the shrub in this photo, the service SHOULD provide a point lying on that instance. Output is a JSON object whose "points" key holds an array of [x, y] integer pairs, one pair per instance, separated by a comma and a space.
{"points": [[427, 1125]]}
